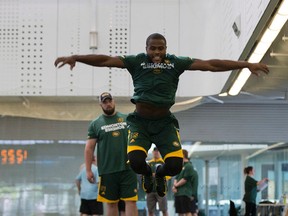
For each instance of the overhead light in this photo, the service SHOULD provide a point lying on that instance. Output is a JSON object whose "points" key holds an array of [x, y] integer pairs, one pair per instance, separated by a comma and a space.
{"points": [[265, 149], [193, 148], [224, 94], [239, 82], [273, 29], [272, 54], [186, 102]]}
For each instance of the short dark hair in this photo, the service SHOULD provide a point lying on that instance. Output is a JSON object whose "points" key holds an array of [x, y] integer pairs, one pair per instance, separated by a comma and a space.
{"points": [[185, 153], [155, 36], [248, 169]]}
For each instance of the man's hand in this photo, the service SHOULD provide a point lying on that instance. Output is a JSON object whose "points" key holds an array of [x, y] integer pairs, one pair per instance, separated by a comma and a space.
{"points": [[90, 176], [65, 60], [257, 68], [174, 189]]}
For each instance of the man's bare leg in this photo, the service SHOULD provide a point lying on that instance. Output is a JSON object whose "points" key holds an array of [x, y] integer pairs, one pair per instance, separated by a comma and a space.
{"points": [[131, 208]]}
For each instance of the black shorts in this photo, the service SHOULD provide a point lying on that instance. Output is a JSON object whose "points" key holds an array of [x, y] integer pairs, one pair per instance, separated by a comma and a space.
{"points": [[183, 204], [119, 185], [194, 207], [164, 133], [91, 207]]}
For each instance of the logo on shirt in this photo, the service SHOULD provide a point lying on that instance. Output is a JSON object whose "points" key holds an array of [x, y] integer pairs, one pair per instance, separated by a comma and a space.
{"points": [[115, 133], [120, 120], [135, 135], [115, 126], [157, 67], [176, 144]]}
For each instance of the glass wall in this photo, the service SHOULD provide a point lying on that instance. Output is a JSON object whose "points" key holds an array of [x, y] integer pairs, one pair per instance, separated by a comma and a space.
{"points": [[37, 178], [226, 179]]}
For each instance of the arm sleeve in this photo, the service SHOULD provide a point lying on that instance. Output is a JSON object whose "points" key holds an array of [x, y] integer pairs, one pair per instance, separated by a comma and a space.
{"points": [[188, 173], [184, 63], [78, 177], [91, 131], [194, 181], [132, 61]]}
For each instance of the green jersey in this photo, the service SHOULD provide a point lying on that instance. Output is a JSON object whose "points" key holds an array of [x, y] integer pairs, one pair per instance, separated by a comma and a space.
{"points": [[250, 190], [111, 134], [194, 183], [186, 173], [155, 83]]}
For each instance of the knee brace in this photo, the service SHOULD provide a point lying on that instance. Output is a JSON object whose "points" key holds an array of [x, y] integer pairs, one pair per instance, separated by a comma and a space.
{"points": [[138, 163], [172, 166]]}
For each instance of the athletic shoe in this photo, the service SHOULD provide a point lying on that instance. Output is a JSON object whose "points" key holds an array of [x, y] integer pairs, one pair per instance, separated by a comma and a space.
{"points": [[161, 184], [147, 183]]}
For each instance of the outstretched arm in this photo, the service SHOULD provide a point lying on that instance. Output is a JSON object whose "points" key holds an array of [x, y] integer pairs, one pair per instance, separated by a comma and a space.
{"points": [[216, 65], [93, 60], [262, 181]]}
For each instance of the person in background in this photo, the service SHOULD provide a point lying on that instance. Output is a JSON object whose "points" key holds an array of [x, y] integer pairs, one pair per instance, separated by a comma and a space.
{"points": [[153, 198], [251, 191], [184, 188], [88, 191], [117, 179], [121, 208], [194, 198], [155, 76]]}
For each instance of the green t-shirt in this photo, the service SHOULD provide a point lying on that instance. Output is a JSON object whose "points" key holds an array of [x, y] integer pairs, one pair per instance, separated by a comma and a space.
{"points": [[112, 135], [194, 183], [250, 190], [186, 173], [155, 83]]}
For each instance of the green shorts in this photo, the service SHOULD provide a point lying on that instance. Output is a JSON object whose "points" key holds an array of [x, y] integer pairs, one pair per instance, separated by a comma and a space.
{"points": [[119, 185], [164, 133]]}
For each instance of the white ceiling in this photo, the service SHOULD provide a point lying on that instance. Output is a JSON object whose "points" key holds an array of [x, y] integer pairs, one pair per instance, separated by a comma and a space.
{"points": [[266, 88]]}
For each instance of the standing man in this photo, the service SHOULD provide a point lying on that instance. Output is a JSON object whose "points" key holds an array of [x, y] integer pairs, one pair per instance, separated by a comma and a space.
{"points": [[121, 208], [88, 192], [155, 76], [153, 197], [117, 179], [194, 198], [185, 189]]}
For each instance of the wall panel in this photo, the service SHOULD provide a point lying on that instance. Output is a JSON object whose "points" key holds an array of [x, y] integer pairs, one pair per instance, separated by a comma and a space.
{"points": [[220, 123], [34, 32]]}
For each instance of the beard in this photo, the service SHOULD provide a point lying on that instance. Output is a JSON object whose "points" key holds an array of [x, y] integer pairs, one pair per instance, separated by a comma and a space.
{"points": [[109, 111]]}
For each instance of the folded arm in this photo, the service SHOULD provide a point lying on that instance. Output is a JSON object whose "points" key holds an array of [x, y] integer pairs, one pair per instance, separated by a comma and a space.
{"points": [[180, 182]]}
